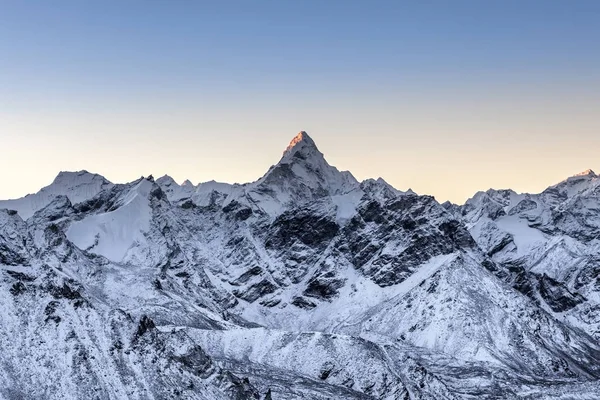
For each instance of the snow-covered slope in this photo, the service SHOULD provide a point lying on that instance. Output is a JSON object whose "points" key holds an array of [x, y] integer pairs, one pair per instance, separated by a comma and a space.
{"points": [[115, 232], [305, 284]]}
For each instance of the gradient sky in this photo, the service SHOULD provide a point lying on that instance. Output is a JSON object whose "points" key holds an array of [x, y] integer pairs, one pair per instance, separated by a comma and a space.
{"points": [[445, 97]]}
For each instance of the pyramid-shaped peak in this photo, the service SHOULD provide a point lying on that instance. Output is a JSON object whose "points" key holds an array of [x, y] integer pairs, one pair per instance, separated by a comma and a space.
{"points": [[301, 140], [587, 172], [303, 173], [165, 179], [188, 183]]}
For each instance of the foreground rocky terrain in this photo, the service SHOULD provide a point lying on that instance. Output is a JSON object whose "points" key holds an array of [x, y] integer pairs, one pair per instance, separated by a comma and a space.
{"points": [[305, 284]]}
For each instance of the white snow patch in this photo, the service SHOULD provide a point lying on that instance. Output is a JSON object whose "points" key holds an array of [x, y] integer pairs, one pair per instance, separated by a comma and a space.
{"points": [[113, 233], [525, 237]]}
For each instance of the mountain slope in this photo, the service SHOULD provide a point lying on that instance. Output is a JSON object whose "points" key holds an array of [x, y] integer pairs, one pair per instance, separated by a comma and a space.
{"points": [[305, 284]]}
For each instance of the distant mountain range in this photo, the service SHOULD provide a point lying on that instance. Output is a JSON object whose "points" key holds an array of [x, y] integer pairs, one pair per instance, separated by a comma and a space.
{"points": [[305, 284]]}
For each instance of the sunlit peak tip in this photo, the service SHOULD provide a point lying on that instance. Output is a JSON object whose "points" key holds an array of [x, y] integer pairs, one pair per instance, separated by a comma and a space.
{"points": [[587, 172], [301, 137]]}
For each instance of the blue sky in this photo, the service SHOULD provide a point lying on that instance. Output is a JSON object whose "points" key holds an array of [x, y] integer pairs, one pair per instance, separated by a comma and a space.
{"points": [[407, 90]]}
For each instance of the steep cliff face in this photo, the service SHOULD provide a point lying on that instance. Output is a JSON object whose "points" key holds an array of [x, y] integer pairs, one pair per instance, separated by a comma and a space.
{"points": [[13, 239], [303, 284]]}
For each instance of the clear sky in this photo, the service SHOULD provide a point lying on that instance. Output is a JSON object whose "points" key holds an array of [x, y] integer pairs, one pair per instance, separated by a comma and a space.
{"points": [[445, 97]]}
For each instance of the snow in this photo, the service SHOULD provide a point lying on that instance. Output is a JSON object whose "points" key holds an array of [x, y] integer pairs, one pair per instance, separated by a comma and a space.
{"points": [[114, 233], [77, 186], [205, 192], [525, 237], [346, 205]]}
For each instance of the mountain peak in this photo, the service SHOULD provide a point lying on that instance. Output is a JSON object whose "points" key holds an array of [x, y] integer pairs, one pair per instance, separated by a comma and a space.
{"points": [[165, 180], [68, 181], [301, 175], [78, 186], [75, 176], [300, 141], [587, 172]]}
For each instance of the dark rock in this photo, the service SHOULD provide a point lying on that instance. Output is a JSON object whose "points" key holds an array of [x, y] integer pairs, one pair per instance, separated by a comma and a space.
{"points": [[57, 208], [158, 193], [326, 370], [50, 312], [256, 291], [144, 325], [458, 234], [323, 287], [66, 292], [372, 212], [303, 226], [268, 395], [245, 277], [20, 276], [241, 388], [188, 204], [243, 214], [557, 296], [11, 256], [589, 274], [196, 361], [270, 302], [408, 224], [506, 240], [489, 265], [232, 206], [522, 206], [301, 302], [117, 346], [17, 288]]}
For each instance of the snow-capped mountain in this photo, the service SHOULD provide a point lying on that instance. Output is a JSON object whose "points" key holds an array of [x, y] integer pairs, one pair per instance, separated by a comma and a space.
{"points": [[305, 284], [77, 186], [302, 175], [546, 244]]}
